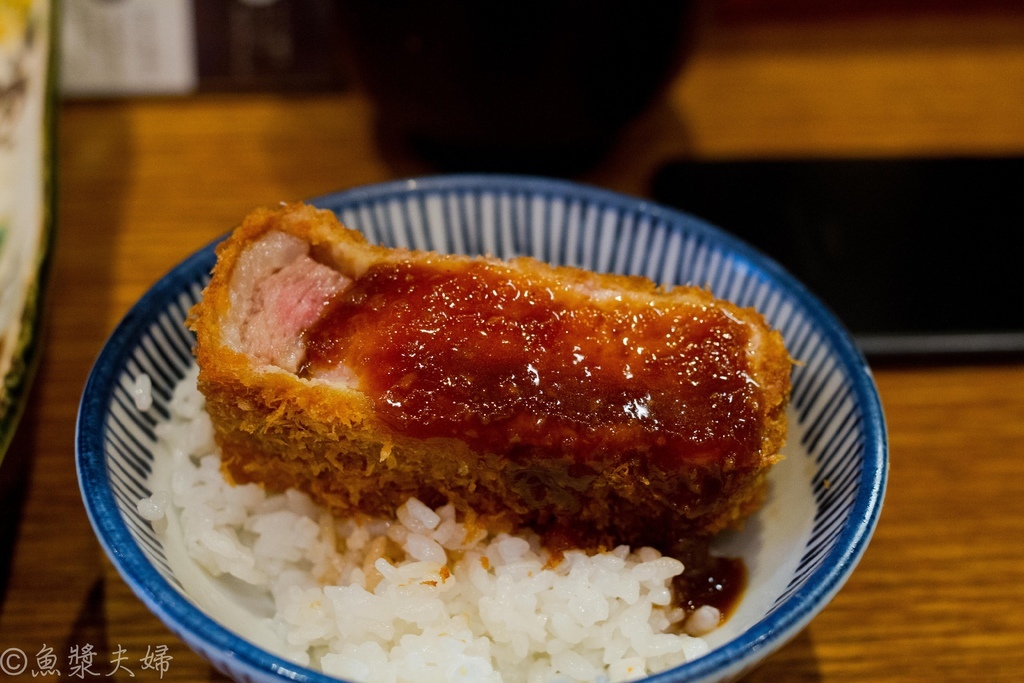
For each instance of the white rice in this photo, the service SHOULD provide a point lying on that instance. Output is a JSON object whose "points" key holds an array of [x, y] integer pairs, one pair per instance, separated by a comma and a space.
{"points": [[142, 392], [422, 597]]}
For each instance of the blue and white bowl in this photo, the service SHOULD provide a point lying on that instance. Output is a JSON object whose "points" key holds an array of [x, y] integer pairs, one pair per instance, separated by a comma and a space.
{"points": [[825, 497]]}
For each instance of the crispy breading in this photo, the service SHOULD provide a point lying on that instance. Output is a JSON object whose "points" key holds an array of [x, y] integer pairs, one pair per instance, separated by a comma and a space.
{"points": [[328, 438]]}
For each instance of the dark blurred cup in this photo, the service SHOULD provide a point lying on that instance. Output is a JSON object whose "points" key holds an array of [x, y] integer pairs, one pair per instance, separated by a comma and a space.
{"points": [[528, 86]]}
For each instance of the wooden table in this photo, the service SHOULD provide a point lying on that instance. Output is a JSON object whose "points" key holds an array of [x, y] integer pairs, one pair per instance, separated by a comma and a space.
{"points": [[939, 595]]}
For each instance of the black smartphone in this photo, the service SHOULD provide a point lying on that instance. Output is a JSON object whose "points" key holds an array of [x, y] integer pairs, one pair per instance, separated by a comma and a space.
{"points": [[919, 258]]}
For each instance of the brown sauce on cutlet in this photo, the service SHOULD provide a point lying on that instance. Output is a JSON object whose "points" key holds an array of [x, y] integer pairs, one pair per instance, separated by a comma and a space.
{"points": [[480, 353]]}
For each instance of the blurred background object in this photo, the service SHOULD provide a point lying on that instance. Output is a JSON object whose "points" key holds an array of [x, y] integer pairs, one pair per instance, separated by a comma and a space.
{"points": [[268, 45], [127, 47], [908, 252], [536, 86], [26, 148], [27, 153], [180, 47]]}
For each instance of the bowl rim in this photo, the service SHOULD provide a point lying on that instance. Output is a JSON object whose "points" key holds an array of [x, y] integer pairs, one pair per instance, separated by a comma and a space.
{"points": [[199, 630]]}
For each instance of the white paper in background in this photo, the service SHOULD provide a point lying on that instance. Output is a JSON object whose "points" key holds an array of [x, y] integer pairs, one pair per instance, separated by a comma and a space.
{"points": [[127, 47]]}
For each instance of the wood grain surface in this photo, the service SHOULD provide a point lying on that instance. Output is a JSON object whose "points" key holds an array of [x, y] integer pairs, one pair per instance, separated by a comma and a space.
{"points": [[939, 595]]}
